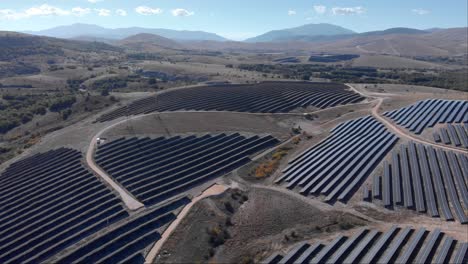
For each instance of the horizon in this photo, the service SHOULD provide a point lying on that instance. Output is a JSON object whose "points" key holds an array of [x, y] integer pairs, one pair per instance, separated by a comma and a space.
{"points": [[220, 18]]}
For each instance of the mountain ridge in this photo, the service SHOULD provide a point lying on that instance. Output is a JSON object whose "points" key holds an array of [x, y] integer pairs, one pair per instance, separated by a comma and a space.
{"points": [[89, 30]]}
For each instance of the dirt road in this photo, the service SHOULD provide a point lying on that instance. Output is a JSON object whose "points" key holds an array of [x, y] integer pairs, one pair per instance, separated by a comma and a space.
{"points": [[127, 198], [395, 129], [213, 190]]}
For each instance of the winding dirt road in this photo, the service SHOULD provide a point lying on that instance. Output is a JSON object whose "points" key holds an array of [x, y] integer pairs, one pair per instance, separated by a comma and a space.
{"points": [[395, 129], [211, 191], [127, 198]]}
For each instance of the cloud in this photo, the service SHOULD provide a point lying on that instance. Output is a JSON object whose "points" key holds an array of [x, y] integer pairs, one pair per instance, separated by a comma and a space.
{"points": [[348, 10], [121, 12], [320, 9], [179, 12], [44, 10], [94, 1], [7, 14], [103, 12], [420, 11], [78, 11], [292, 12], [146, 11]]}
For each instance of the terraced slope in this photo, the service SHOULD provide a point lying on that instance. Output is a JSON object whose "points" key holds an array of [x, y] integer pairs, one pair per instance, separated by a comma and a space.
{"points": [[396, 245], [49, 202], [456, 135], [268, 97], [339, 164], [425, 179], [427, 113], [156, 169]]}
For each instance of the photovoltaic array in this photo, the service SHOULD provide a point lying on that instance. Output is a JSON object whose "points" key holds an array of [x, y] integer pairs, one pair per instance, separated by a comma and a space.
{"points": [[338, 165], [156, 169], [426, 180], [427, 113], [396, 245], [49, 202], [268, 97], [456, 135]]}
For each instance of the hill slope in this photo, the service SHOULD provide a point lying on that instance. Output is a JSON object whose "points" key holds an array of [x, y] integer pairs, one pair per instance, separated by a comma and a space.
{"points": [[149, 43]]}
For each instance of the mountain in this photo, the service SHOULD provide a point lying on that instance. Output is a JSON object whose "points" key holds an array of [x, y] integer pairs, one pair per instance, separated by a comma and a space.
{"points": [[302, 32], [149, 43], [94, 31], [390, 31], [447, 42], [16, 46]]}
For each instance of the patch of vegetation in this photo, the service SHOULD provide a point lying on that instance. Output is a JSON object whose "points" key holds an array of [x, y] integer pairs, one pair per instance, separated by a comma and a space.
{"points": [[267, 168], [332, 58], [448, 79]]}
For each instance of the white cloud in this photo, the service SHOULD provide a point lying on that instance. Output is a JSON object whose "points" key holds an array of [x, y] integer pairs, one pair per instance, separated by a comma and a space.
{"points": [[103, 12], [94, 1], [79, 11], [121, 12], [320, 9], [179, 12], [420, 11], [292, 12], [144, 10], [8, 14], [44, 10], [348, 10]]}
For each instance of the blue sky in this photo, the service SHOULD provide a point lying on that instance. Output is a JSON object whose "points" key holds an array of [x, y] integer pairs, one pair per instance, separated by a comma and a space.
{"points": [[235, 19]]}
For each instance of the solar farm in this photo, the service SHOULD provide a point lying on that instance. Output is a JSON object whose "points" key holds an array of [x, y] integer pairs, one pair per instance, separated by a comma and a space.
{"points": [[426, 180], [258, 98], [395, 245], [427, 113], [336, 166], [272, 172], [155, 169]]}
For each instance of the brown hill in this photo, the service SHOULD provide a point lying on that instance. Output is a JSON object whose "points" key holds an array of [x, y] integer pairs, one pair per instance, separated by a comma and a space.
{"points": [[17, 46], [447, 42], [149, 43]]}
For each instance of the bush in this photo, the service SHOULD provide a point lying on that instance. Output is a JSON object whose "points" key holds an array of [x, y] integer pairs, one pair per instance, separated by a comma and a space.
{"points": [[62, 103]]}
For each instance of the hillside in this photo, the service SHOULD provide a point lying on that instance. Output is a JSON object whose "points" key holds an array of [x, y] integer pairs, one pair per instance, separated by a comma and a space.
{"points": [[448, 42], [306, 31], [16, 45], [77, 30], [149, 43]]}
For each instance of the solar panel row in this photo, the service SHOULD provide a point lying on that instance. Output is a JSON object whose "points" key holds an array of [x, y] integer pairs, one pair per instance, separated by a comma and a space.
{"points": [[50, 203], [340, 163], [268, 97], [156, 169], [435, 181], [396, 245], [452, 135], [427, 113]]}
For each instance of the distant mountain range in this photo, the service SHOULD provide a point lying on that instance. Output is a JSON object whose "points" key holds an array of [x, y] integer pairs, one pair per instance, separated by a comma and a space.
{"points": [[84, 31], [307, 33], [312, 37]]}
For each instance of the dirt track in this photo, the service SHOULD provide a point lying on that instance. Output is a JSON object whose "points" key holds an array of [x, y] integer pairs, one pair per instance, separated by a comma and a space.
{"points": [[127, 198], [397, 130], [213, 190]]}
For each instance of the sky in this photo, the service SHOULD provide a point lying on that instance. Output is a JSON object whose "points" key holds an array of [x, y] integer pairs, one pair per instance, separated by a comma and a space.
{"points": [[233, 19]]}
